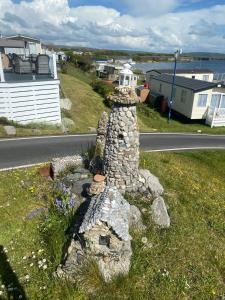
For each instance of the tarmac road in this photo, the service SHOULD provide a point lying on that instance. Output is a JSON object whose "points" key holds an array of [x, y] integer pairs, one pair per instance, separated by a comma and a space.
{"points": [[18, 152]]}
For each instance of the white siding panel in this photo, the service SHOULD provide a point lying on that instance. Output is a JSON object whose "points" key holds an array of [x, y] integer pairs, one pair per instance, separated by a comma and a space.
{"points": [[31, 101]]}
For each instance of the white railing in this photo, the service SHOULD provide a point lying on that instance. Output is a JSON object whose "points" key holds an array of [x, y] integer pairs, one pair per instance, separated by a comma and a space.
{"points": [[53, 66], [219, 77], [215, 116], [2, 77]]}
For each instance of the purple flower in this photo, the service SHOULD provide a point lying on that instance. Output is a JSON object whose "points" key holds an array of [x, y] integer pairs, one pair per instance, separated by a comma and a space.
{"points": [[72, 202], [58, 202]]}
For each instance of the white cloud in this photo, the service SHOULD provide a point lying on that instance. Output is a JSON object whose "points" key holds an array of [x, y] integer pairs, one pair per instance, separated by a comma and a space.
{"points": [[98, 26]]}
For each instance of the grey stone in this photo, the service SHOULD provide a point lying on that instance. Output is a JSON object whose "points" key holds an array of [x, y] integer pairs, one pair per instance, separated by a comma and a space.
{"points": [[92, 129], [65, 104], [10, 130], [105, 235], [135, 219], [35, 213], [67, 124], [159, 213], [81, 187], [61, 164], [152, 182]]}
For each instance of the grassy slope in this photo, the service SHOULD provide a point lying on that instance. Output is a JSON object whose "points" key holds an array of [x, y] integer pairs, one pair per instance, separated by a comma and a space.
{"points": [[87, 105], [153, 121], [185, 261]]}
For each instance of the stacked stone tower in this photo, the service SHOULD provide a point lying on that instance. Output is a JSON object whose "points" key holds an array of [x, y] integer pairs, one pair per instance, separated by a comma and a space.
{"points": [[121, 157]]}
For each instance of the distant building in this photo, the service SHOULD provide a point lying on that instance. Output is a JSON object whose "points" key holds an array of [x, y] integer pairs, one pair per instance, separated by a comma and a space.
{"points": [[31, 45], [195, 99], [201, 74], [78, 52]]}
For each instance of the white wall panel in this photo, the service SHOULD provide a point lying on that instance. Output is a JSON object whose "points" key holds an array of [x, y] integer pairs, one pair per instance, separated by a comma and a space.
{"points": [[32, 101]]}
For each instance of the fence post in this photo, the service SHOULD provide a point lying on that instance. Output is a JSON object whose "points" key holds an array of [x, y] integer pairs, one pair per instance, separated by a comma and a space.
{"points": [[1, 69], [54, 66]]}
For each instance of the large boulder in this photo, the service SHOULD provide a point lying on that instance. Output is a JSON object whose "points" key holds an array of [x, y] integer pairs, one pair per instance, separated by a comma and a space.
{"points": [[61, 164], [135, 219], [152, 183], [10, 130], [65, 104], [159, 213]]}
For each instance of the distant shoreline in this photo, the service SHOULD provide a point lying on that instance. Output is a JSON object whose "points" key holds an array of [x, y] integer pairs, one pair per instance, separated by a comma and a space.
{"points": [[217, 66]]}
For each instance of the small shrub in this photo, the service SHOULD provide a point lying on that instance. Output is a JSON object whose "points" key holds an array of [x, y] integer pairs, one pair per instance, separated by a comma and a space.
{"points": [[102, 88], [91, 151], [5, 121], [65, 113]]}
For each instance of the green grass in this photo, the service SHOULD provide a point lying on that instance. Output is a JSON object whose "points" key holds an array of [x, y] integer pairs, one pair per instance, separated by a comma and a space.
{"points": [[87, 105], [152, 120], [85, 77], [185, 261]]}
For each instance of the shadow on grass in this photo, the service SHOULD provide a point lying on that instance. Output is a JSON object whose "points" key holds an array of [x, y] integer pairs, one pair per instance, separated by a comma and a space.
{"points": [[9, 278], [175, 116]]}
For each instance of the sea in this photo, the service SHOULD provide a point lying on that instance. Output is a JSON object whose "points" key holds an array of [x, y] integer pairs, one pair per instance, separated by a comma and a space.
{"points": [[217, 66]]}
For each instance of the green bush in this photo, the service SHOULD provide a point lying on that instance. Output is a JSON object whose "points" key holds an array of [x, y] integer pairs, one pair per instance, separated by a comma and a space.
{"points": [[5, 121], [102, 88]]}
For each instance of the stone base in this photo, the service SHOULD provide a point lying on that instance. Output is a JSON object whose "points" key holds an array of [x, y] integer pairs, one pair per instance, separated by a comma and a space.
{"points": [[61, 164], [113, 253]]}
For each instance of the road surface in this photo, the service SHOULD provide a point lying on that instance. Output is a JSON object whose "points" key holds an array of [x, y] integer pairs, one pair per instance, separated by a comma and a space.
{"points": [[16, 152]]}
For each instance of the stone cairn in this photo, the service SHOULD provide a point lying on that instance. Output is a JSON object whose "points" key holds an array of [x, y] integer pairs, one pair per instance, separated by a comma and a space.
{"points": [[104, 231], [121, 157]]}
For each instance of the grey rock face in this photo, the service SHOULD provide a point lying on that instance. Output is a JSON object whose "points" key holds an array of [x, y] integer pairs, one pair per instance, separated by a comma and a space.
{"points": [[159, 213], [152, 183], [106, 233], [60, 164], [65, 104], [10, 130], [135, 219], [103, 236], [109, 207]]}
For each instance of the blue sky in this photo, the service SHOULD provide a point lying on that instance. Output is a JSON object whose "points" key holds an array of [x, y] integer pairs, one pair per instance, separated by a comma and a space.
{"points": [[149, 25], [120, 6]]}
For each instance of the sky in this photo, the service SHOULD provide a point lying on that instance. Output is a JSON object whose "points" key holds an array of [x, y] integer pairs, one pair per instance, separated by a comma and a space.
{"points": [[147, 25]]}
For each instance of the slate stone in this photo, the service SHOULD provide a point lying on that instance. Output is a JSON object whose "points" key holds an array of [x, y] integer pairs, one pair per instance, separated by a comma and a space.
{"points": [[159, 213], [35, 213], [152, 182], [80, 187]]}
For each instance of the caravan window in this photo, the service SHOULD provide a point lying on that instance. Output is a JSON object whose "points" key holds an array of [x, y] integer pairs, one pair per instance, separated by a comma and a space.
{"points": [[202, 100], [205, 77], [222, 104], [215, 100]]}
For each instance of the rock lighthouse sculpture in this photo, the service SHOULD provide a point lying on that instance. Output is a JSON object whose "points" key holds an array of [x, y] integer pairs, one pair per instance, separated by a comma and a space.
{"points": [[104, 231], [121, 157]]}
